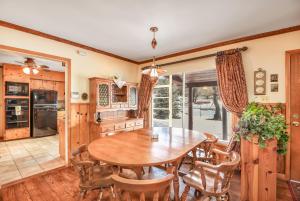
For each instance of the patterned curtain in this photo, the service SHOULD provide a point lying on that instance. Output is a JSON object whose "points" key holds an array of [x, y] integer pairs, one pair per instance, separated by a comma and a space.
{"points": [[232, 85], [145, 92], [232, 81]]}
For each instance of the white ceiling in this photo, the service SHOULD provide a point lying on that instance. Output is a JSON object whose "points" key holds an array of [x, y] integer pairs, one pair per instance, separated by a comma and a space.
{"points": [[122, 26], [16, 58]]}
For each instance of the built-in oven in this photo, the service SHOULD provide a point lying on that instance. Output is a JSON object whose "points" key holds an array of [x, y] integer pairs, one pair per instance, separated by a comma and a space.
{"points": [[16, 113], [16, 89]]}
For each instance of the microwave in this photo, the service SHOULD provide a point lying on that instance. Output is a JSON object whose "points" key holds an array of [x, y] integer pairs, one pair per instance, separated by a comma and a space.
{"points": [[16, 89]]}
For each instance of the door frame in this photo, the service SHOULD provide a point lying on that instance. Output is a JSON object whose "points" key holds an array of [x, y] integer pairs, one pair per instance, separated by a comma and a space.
{"points": [[68, 67], [288, 54]]}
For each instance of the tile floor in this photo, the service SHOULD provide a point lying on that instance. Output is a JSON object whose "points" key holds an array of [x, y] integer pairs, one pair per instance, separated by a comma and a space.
{"points": [[23, 158]]}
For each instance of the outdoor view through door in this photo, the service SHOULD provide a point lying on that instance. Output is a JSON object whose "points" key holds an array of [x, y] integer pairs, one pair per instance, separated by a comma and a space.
{"points": [[199, 109]]}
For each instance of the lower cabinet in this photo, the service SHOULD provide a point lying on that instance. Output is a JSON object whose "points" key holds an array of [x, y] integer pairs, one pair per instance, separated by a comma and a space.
{"points": [[104, 128], [79, 124]]}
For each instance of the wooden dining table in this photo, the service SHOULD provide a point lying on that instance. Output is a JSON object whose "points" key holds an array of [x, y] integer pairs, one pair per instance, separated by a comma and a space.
{"points": [[138, 149]]}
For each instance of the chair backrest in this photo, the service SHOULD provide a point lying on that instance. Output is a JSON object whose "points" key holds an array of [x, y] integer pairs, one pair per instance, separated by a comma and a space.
{"points": [[81, 153], [155, 189], [85, 171], [83, 165], [221, 173], [233, 145], [209, 143]]}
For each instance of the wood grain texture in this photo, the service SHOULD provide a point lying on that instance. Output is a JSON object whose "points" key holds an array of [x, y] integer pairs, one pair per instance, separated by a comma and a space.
{"points": [[135, 148], [295, 115], [53, 188], [258, 171]]}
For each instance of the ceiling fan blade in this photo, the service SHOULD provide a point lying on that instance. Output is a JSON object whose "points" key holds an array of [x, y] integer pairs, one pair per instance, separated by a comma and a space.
{"points": [[44, 67], [161, 71]]}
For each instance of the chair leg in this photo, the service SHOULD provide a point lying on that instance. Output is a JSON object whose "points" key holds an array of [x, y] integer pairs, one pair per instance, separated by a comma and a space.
{"points": [[100, 195], [82, 194], [185, 193], [112, 192]]}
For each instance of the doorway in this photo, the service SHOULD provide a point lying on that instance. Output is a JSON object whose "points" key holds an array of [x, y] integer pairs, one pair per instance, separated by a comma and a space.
{"points": [[49, 151], [293, 111]]}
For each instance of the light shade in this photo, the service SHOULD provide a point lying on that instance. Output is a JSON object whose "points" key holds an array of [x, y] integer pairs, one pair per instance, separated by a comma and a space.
{"points": [[26, 70], [153, 72], [35, 71]]}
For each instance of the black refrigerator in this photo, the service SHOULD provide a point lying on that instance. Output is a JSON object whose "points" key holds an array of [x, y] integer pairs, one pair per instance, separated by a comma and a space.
{"points": [[43, 116]]}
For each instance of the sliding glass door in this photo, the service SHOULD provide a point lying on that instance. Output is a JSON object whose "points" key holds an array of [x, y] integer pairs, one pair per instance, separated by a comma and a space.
{"points": [[192, 101]]}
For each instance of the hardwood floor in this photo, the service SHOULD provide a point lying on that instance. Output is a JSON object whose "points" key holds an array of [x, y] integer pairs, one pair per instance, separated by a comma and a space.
{"points": [[62, 185]]}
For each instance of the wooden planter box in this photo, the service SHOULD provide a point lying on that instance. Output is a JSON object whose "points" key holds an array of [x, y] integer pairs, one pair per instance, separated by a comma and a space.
{"points": [[258, 171]]}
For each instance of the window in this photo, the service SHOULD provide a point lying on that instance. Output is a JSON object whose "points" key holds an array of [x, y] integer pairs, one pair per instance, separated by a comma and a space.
{"points": [[190, 100]]}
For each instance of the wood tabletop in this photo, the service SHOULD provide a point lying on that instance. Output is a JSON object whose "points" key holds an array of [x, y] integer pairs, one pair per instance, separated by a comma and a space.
{"points": [[136, 148]]}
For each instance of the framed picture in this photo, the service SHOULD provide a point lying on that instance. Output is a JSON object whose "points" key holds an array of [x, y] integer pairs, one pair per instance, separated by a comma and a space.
{"points": [[274, 78], [260, 82], [274, 87]]}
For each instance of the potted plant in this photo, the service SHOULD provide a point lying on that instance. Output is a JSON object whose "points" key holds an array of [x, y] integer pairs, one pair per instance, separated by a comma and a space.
{"points": [[263, 135], [263, 123]]}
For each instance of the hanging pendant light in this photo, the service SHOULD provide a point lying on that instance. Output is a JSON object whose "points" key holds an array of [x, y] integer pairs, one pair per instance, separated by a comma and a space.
{"points": [[154, 69]]}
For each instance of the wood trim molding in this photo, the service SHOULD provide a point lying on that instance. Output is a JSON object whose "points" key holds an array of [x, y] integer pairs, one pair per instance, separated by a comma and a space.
{"points": [[62, 40], [206, 47], [228, 42]]}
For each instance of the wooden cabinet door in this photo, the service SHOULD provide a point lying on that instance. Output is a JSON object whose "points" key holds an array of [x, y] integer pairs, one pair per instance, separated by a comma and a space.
{"points": [[48, 85], [60, 88], [84, 124], [35, 84], [75, 126]]}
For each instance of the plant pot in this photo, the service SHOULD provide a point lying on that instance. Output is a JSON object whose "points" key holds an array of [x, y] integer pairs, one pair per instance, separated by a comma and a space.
{"points": [[258, 170]]}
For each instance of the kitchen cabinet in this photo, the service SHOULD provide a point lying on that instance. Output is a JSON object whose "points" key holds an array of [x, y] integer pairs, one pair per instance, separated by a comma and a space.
{"points": [[79, 124], [60, 88], [133, 96]]}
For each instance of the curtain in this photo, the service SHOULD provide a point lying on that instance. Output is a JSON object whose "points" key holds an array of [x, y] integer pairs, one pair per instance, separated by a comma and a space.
{"points": [[232, 85], [145, 93], [232, 81]]}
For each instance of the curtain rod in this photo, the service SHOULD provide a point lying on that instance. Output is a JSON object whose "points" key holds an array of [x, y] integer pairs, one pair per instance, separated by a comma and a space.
{"points": [[192, 59]]}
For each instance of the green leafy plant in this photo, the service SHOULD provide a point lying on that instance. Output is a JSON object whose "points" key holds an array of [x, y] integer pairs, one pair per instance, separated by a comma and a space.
{"points": [[264, 122]]}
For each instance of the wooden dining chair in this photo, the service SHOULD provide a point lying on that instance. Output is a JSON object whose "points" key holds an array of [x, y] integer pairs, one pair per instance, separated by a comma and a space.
{"points": [[212, 180], [92, 175], [202, 152], [142, 190]]}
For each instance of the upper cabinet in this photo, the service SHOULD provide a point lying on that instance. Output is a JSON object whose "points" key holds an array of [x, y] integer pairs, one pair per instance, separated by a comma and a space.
{"points": [[133, 98], [106, 95], [103, 95]]}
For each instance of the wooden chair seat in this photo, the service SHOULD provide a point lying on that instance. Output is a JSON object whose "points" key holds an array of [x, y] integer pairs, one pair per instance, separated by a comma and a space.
{"points": [[193, 178], [212, 180], [142, 190]]}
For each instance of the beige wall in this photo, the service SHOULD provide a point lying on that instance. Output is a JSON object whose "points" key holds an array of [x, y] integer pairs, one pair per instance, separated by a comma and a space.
{"points": [[267, 53], [83, 67]]}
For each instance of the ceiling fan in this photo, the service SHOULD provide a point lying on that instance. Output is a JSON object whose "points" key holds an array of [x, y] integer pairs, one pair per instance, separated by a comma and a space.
{"points": [[29, 66], [153, 70]]}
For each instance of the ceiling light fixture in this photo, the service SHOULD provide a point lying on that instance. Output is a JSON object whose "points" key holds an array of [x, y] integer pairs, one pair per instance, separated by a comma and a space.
{"points": [[154, 69], [30, 67]]}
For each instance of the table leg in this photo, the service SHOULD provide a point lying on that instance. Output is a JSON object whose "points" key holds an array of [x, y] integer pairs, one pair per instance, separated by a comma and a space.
{"points": [[174, 170], [194, 151], [139, 172]]}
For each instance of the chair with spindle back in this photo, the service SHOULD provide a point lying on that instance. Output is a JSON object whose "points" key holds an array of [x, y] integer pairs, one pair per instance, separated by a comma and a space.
{"points": [[202, 152], [141, 190], [212, 180], [92, 174]]}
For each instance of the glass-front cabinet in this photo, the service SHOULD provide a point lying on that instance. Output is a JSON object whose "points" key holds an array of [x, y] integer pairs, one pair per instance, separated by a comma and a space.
{"points": [[119, 96], [103, 95], [133, 98]]}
